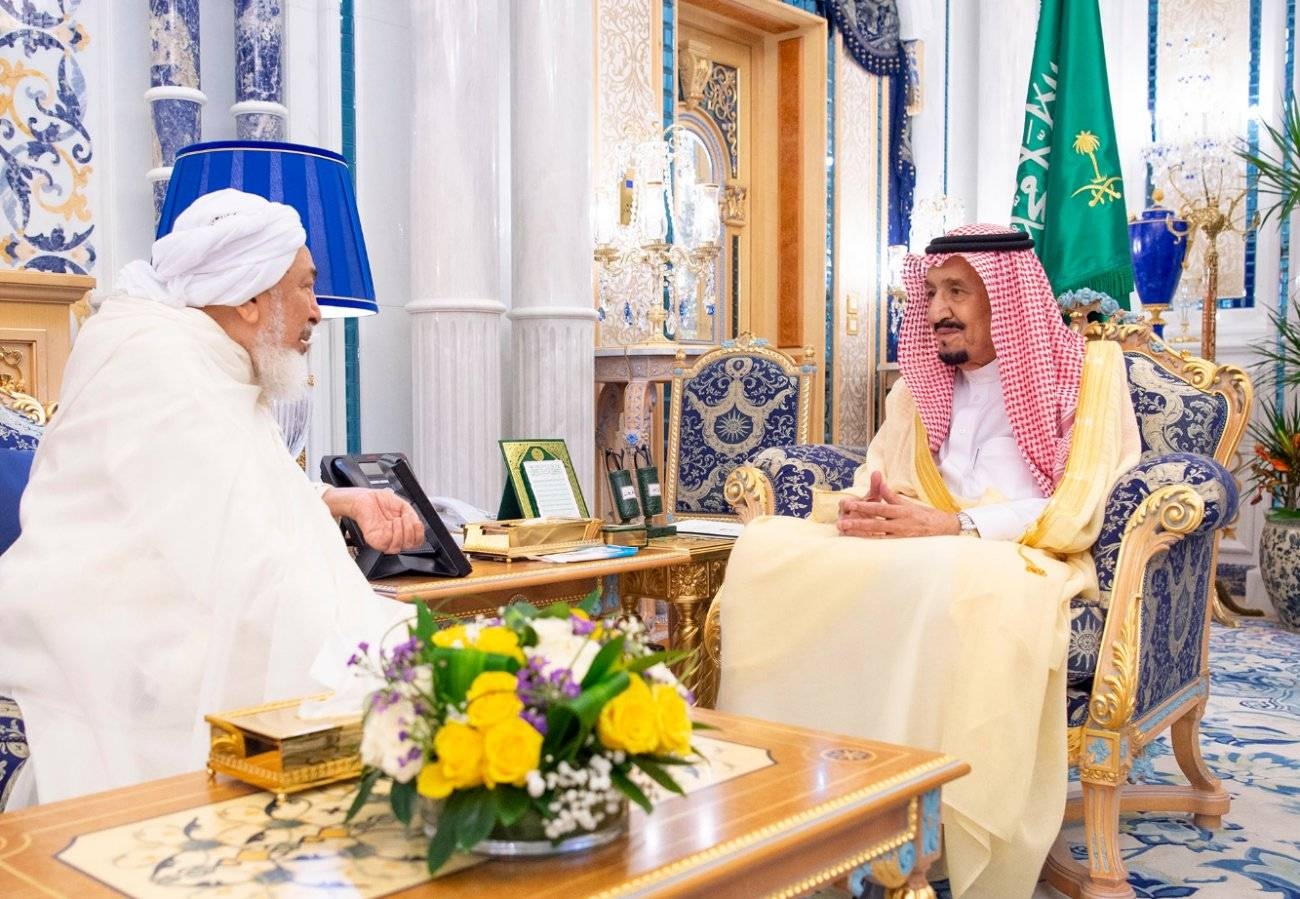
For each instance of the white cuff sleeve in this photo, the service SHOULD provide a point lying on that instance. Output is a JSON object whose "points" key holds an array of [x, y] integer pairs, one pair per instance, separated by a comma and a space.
{"points": [[1006, 521], [321, 488]]}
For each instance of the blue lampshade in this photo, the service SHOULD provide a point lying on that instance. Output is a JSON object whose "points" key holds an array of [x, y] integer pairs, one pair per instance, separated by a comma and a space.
{"points": [[313, 181]]}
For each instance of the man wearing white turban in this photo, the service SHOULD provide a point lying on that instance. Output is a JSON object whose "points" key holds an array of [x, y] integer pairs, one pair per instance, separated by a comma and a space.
{"points": [[174, 560]]}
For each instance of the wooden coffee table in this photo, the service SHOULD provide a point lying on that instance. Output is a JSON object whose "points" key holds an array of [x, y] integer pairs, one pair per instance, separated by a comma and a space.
{"points": [[800, 809]]}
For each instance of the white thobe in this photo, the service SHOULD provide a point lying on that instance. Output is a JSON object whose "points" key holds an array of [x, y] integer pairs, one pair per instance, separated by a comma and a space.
{"points": [[980, 457], [174, 560]]}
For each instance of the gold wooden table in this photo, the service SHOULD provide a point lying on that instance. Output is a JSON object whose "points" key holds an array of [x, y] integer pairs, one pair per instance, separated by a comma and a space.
{"points": [[493, 584], [689, 589], [826, 805]]}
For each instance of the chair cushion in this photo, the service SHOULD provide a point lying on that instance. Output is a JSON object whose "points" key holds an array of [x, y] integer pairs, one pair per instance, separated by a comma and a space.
{"points": [[1076, 705], [15, 467], [17, 431], [795, 470], [731, 409], [13, 746], [1173, 416]]}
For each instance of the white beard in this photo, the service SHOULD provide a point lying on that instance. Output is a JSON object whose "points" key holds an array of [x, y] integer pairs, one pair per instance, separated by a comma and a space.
{"points": [[281, 371]]}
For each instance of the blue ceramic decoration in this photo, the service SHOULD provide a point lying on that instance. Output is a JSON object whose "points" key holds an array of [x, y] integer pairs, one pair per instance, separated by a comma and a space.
{"points": [[1158, 243]]}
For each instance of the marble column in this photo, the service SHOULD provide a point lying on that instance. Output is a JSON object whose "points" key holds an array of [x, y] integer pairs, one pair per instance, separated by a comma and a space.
{"points": [[174, 95], [455, 311], [552, 316], [259, 110]]}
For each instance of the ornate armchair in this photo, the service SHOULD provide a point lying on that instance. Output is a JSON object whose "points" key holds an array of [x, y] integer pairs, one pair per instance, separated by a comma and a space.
{"points": [[1138, 656], [22, 421], [733, 403]]}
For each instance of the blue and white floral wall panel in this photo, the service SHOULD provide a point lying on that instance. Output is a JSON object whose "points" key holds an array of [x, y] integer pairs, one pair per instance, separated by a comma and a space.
{"points": [[45, 148]]}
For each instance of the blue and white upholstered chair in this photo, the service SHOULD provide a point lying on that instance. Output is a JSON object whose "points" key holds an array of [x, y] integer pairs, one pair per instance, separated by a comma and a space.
{"points": [[22, 421], [1138, 657], [733, 403]]}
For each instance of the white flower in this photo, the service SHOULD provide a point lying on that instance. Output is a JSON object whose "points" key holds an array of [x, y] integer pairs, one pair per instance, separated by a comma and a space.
{"points": [[560, 647], [660, 674], [387, 742]]}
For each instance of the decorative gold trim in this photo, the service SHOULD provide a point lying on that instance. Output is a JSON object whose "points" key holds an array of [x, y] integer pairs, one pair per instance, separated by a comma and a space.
{"points": [[749, 492], [1166, 516], [722, 850], [927, 473], [744, 345], [25, 404], [711, 664], [839, 869]]}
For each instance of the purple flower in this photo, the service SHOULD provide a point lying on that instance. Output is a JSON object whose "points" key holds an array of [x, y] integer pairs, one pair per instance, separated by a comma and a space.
{"points": [[536, 719], [581, 626]]}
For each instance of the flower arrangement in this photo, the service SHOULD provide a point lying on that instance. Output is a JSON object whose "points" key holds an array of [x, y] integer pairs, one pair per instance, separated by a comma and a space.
{"points": [[1085, 298], [547, 716]]}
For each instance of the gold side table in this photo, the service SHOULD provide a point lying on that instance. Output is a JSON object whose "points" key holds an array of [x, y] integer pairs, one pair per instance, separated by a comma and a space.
{"points": [[688, 588]]}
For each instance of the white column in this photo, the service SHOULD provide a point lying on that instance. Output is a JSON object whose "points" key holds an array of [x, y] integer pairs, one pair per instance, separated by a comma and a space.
{"points": [[455, 313], [552, 314]]}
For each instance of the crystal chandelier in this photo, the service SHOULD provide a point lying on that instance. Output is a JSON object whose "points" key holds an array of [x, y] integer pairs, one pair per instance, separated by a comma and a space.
{"points": [[657, 243]]}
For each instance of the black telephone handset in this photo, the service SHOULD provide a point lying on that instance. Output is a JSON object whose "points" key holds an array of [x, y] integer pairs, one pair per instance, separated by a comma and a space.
{"points": [[438, 555]]}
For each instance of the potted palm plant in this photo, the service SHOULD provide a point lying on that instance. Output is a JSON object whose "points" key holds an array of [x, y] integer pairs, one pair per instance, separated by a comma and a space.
{"points": [[1274, 468]]}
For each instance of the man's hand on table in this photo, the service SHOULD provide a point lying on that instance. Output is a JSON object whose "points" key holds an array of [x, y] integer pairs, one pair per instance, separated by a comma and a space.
{"points": [[387, 522], [883, 513]]}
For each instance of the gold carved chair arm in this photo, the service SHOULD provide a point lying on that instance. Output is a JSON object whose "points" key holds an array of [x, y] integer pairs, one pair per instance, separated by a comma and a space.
{"points": [[749, 493], [1163, 518], [710, 675]]}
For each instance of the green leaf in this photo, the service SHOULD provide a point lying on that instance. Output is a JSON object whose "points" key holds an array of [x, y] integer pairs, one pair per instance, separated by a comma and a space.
{"points": [[424, 625], [657, 774], [512, 802], [668, 657], [480, 815], [604, 661], [402, 798], [569, 722], [556, 610], [363, 791], [591, 602], [455, 669], [629, 789], [443, 843]]}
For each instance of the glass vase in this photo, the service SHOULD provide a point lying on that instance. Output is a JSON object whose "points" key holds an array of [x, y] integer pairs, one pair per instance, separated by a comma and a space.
{"points": [[527, 836]]}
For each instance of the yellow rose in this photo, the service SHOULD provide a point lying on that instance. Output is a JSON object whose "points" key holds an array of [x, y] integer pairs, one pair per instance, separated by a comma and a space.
{"points": [[628, 721], [432, 782], [674, 722], [492, 698], [511, 749], [450, 635], [460, 754], [500, 640]]}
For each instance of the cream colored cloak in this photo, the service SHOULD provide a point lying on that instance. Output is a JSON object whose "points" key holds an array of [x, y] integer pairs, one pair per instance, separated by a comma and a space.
{"points": [[947, 643], [174, 559]]}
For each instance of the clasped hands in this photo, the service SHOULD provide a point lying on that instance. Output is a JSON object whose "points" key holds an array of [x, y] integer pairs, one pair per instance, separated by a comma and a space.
{"points": [[387, 522], [883, 513]]}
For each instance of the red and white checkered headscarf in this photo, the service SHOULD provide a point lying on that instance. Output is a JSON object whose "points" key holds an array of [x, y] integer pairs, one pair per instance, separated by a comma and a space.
{"points": [[1040, 360]]}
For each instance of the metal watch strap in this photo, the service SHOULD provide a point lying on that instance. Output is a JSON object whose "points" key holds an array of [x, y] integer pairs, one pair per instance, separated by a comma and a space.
{"points": [[967, 525]]}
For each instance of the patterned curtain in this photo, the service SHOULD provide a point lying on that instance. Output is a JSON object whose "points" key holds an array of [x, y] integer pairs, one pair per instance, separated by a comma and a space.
{"points": [[870, 29]]}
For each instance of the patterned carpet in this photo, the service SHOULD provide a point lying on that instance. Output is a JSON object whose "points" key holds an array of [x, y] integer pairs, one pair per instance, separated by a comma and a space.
{"points": [[1250, 739]]}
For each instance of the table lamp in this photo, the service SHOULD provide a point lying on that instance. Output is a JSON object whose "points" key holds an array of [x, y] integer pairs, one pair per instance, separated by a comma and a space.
{"points": [[314, 181]]}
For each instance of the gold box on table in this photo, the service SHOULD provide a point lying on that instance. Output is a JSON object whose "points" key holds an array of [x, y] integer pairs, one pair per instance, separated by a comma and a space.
{"points": [[522, 538], [271, 747]]}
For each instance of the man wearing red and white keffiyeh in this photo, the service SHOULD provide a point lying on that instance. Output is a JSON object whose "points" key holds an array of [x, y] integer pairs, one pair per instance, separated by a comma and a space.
{"points": [[995, 375]]}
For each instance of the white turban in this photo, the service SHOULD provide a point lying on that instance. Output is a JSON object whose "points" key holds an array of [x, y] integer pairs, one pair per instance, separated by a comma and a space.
{"points": [[225, 249]]}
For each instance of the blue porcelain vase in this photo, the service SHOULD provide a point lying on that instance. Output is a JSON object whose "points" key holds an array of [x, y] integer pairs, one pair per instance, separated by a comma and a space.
{"points": [[1158, 243], [1279, 564]]}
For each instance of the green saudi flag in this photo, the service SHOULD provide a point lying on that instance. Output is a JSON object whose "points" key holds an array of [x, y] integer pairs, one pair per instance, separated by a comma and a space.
{"points": [[1069, 190]]}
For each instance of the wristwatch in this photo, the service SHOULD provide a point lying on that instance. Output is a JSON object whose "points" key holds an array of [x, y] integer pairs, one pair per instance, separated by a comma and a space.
{"points": [[967, 525]]}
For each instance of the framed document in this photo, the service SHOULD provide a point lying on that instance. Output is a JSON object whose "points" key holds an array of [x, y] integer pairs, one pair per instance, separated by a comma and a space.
{"points": [[540, 481]]}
